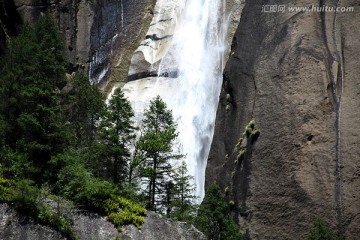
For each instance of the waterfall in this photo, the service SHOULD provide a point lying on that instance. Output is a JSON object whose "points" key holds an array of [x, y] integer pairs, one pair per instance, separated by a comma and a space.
{"points": [[194, 61]]}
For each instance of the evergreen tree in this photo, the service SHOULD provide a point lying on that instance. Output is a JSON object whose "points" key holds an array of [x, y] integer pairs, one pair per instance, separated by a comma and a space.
{"points": [[32, 69], [116, 132], [214, 218], [154, 150], [86, 107], [180, 198]]}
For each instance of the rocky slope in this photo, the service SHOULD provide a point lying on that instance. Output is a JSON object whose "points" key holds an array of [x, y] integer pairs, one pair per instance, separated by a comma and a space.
{"points": [[296, 75], [93, 227]]}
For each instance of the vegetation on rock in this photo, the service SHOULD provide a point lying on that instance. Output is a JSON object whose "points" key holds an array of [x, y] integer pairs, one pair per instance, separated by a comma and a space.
{"points": [[214, 218], [57, 133], [321, 231]]}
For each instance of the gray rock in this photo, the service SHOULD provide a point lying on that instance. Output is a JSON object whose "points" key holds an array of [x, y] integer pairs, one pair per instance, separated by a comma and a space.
{"points": [[89, 226], [296, 74], [156, 227], [16, 227]]}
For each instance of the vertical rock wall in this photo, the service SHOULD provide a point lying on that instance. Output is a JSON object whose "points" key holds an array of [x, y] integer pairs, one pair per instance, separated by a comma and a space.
{"points": [[100, 36], [296, 74]]}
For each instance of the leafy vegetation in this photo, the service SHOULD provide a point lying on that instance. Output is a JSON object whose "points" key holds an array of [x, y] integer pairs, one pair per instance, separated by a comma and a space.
{"points": [[214, 218], [57, 133], [154, 152], [131, 212], [59, 138], [321, 231]]}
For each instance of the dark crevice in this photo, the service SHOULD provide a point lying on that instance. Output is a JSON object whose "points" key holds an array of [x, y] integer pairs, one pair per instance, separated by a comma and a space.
{"points": [[310, 137], [140, 75], [339, 88], [154, 37], [162, 20], [335, 89]]}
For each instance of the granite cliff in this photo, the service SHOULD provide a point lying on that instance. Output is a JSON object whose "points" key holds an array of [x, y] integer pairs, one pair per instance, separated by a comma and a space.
{"points": [[296, 75], [100, 36]]}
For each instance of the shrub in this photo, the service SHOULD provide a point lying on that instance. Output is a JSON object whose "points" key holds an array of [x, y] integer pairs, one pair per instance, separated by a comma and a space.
{"points": [[227, 190], [321, 231], [254, 135], [241, 154], [5, 191], [126, 217], [214, 218], [227, 107], [132, 213]]}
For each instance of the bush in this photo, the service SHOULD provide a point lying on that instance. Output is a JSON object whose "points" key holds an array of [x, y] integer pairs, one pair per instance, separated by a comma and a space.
{"points": [[88, 192], [214, 218], [25, 199], [126, 217], [5, 191], [55, 220], [132, 213], [321, 231]]}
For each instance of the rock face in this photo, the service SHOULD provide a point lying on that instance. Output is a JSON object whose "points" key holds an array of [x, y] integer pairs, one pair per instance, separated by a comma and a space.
{"points": [[93, 227], [156, 228], [99, 35], [87, 226], [118, 28], [295, 74]]}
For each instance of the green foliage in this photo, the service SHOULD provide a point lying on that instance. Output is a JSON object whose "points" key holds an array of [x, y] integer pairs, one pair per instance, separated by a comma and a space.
{"points": [[228, 102], [32, 69], [227, 190], [251, 124], [55, 220], [131, 206], [85, 107], [5, 184], [321, 231], [154, 151], [59, 133], [122, 211], [255, 134], [180, 199], [240, 155], [227, 107], [115, 134], [251, 132], [25, 198], [78, 184], [214, 218], [126, 217]]}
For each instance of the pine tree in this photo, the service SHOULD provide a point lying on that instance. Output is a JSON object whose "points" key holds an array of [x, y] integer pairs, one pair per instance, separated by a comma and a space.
{"points": [[86, 107], [32, 69], [181, 198], [116, 131], [214, 218], [154, 150]]}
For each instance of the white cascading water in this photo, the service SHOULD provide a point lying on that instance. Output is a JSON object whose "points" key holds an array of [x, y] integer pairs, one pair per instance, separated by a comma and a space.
{"points": [[196, 51]]}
